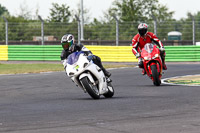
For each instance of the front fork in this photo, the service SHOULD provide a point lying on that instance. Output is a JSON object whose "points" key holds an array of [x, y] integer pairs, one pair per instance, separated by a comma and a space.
{"points": [[147, 67]]}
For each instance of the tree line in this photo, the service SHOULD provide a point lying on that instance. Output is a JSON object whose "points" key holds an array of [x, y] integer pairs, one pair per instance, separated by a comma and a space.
{"points": [[128, 12]]}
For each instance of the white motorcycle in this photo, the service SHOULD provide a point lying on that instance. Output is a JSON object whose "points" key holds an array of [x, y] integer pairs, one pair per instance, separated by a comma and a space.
{"points": [[88, 76]]}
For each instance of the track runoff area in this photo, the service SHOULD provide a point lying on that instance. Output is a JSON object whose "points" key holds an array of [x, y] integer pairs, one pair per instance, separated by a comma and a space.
{"points": [[187, 80]]}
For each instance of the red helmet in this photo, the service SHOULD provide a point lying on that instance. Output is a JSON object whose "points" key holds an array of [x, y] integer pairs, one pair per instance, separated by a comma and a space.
{"points": [[142, 29]]}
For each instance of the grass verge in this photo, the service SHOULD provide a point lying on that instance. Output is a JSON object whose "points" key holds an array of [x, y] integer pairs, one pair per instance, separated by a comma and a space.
{"points": [[40, 67]]}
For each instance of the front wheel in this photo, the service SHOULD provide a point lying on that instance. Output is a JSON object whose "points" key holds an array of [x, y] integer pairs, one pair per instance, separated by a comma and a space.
{"points": [[155, 74], [110, 92], [92, 90]]}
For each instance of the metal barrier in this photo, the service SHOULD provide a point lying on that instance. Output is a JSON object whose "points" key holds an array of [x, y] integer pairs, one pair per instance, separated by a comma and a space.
{"points": [[182, 53], [3, 52], [107, 53], [114, 53], [34, 52]]}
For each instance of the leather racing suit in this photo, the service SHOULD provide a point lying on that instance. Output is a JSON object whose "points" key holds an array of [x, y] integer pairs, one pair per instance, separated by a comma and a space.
{"points": [[80, 47], [138, 43]]}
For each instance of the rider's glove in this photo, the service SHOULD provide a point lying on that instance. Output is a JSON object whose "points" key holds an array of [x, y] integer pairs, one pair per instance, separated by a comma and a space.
{"points": [[71, 48], [64, 62], [87, 53], [162, 49], [90, 57], [137, 55]]}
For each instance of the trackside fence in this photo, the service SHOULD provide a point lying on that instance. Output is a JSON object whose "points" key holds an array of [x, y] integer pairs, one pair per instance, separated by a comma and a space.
{"points": [[107, 53]]}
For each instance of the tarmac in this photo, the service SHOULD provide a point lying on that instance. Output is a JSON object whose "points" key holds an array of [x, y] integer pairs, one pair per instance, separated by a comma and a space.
{"points": [[183, 80]]}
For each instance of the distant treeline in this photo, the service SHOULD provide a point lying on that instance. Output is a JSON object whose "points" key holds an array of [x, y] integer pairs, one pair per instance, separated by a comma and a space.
{"points": [[128, 12]]}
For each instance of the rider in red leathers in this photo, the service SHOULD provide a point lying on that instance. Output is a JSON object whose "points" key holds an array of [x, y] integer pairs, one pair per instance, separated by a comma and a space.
{"points": [[141, 39]]}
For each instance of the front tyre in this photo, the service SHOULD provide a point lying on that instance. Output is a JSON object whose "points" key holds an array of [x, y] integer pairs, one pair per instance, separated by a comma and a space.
{"points": [[91, 89], [110, 92], [155, 74]]}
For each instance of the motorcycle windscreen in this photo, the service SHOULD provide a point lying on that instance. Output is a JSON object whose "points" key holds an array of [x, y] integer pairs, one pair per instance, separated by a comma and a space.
{"points": [[149, 47], [73, 58]]}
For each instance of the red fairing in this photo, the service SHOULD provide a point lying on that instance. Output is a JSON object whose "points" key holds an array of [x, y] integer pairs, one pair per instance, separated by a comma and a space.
{"points": [[138, 41], [154, 51]]}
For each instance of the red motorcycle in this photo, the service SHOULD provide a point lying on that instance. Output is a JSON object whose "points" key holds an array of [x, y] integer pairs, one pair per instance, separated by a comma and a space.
{"points": [[152, 62]]}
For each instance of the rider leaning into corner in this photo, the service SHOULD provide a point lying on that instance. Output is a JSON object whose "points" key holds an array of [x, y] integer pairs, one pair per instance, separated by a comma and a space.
{"points": [[69, 47], [143, 37]]}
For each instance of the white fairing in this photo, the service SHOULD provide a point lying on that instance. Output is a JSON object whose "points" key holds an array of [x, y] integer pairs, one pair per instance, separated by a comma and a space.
{"points": [[83, 68]]}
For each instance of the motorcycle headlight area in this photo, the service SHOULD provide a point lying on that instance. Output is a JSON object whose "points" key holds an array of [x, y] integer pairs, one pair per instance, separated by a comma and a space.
{"points": [[156, 56], [147, 58]]}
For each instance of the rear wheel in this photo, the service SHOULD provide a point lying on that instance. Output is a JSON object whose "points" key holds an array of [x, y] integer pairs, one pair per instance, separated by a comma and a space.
{"points": [[110, 92], [155, 74], [92, 90]]}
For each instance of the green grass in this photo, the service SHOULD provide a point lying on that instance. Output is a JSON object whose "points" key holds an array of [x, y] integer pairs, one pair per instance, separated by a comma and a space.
{"points": [[29, 68], [40, 67]]}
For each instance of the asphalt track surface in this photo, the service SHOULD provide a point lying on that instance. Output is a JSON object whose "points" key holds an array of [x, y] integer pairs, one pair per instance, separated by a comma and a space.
{"points": [[51, 103]]}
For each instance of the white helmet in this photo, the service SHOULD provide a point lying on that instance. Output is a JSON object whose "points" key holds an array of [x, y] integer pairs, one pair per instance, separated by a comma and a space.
{"points": [[67, 41], [142, 29]]}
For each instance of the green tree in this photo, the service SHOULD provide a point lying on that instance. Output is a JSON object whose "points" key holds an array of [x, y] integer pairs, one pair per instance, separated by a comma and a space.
{"points": [[197, 23], [20, 28], [3, 10], [59, 13], [187, 26], [139, 10], [132, 12], [77, 12], [24, 12], [98, 30]]}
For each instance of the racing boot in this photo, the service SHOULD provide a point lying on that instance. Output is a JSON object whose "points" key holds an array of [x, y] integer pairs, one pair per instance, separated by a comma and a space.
{"points": [[107, 74], [108, 80], [164, 66], [97, 61], [143, 72], [163, 61]]}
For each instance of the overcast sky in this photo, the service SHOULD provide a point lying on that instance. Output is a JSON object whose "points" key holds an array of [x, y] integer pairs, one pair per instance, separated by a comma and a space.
{"points": [[96, 7]]}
